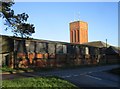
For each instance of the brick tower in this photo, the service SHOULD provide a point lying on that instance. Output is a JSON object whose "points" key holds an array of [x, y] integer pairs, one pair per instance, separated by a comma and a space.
{"points": [[78, 32]]}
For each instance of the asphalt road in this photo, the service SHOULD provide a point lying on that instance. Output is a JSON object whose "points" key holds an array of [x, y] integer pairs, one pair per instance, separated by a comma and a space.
{"points": [[85, 77]]}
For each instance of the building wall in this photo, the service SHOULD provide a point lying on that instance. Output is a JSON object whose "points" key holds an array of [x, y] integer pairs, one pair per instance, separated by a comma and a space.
{"points": [[83, 32], [6, 49], [78, 32], [39, 53]]}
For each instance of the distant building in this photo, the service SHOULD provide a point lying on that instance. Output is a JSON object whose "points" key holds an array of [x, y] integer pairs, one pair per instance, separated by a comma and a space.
{"points": [[98, 44], [78, 32]]}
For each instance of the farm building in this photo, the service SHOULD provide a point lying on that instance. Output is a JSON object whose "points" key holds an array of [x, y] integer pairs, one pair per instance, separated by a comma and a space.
{"points": [[17, 52]]}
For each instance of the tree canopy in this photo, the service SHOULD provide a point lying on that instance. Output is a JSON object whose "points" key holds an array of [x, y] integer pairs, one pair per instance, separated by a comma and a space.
{"points": [[17, 23]]}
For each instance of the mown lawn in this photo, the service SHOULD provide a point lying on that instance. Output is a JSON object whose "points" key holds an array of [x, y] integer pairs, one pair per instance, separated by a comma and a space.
{"points": [[41, 82], [6, 69], [11, 70]]}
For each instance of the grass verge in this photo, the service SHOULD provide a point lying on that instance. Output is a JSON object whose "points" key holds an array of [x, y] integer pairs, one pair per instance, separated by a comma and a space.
{"points": [[39, 82], [7, 69], [115, 71], [17, 70]]}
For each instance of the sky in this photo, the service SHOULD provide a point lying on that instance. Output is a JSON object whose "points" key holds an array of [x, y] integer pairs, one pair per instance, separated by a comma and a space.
{"points": [[51, 19]]}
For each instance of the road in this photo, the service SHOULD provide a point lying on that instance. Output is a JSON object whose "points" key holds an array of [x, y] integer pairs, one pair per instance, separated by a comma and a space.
{"points": [[84, 77]]}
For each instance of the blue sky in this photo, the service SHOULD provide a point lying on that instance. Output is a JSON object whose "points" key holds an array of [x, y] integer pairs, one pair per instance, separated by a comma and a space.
{"points": [[51, 19]]}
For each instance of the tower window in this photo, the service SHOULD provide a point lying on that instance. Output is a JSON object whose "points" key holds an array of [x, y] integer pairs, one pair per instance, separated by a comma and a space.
{"points": [[75, 35], [78, 35]]}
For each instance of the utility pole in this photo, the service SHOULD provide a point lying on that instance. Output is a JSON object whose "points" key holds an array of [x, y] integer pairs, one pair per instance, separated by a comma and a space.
{"points": [[106, 43], [105, 52]]}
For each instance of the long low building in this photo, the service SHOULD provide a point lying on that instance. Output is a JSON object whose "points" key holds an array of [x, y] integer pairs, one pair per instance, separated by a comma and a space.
{"points": [[29, 52]]}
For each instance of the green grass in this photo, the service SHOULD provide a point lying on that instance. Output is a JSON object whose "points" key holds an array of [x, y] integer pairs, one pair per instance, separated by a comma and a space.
{"points": [[11, 70], [41, 82], [7, 69]]}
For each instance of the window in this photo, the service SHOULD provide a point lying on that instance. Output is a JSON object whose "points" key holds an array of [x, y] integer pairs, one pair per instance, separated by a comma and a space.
{"points": [[59, 48], [75, 35], [86, 50], [64, 49], [51, 48], [41, 47]]}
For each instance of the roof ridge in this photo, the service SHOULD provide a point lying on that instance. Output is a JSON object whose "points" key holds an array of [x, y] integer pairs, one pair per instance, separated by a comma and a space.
{"points": [[114, 49], [103, 43]]}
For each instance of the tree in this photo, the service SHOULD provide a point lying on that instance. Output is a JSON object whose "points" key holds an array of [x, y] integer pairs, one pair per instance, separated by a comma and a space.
{"points": [[15, 22]]}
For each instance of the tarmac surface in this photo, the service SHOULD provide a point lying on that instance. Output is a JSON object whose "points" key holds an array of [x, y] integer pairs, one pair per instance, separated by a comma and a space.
{"points": [[94, 77]]}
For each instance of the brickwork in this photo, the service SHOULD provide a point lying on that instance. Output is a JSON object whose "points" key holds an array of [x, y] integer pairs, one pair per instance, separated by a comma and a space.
{"points": [[78, 32]]}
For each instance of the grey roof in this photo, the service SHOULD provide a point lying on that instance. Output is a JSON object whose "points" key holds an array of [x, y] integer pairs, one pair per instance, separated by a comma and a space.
{"points": [[118, 48], [113, 50], [99, 44]]}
